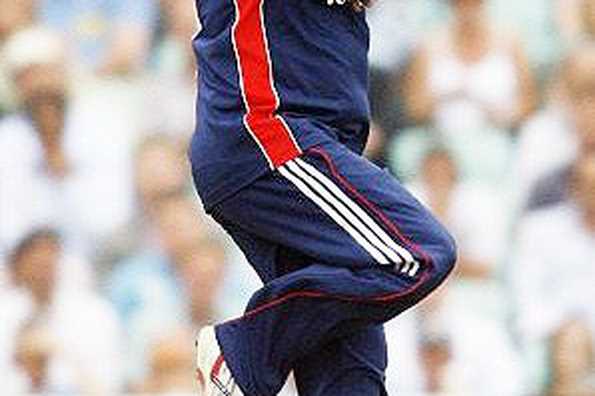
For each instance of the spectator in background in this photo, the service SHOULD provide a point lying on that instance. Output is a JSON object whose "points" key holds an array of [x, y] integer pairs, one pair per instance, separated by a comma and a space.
{"points": [[73, 275], [202, 276], [169, 281], [391, 45], [62, 153], [170, 363], [405, 373], [541, 27], [108, 37], [588, 20], [578, 21], [173, 83], [474, 298], [468, 76], [173, 54], [550, 126], [463, 360], [160, 170], [554, 280], [473, 86], [33, 352], [573, 361], [578, 88], [15, 15], [436, 355], [81, 327], [465, 207]]}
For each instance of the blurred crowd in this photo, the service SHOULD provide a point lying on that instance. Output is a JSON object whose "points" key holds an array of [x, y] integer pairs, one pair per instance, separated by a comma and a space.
{"points": [[485, 109]]}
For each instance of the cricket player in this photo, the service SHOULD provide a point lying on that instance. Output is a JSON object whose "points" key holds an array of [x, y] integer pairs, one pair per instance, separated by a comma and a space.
{"points": [[341, 247]]}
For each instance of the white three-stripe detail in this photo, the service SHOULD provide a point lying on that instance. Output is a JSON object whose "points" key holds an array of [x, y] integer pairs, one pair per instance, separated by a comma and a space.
{"points": [[328, 209], [370, 236], [358, 211], [331, 198], [415, 268]]}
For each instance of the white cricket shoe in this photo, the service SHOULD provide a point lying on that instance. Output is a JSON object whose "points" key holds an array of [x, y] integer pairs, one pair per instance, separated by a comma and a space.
{"points": [[212, 374]]}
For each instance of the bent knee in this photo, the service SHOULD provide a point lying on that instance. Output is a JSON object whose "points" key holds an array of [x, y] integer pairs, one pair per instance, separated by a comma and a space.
{"points": [[444, 255]]}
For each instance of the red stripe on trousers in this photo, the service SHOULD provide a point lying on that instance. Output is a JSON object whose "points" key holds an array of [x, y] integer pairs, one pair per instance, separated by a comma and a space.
{"points": [[268, 129]]}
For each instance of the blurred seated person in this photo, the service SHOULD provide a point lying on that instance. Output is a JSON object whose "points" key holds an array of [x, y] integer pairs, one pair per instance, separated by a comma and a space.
{"points": [[203, 278], [436, 359], [33, 351], [171, 107], [585, 14], [573, 360], [108, 37], [588, 20], [391, 45], [15, 15], [82, 327], [469, 76], [172, 54], [449, 360], [151, 277], [172, 279], [540, 26], [550, 126], [475, 297], [159, 170], [579, 106], [554, 272], [64, 156], [465, 207], [405, 373], [73, 275], [170, 365], [578, 21]]}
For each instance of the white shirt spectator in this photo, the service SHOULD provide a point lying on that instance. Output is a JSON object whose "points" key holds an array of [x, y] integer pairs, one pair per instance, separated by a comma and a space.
{"points": [[85, 335], [537, 23], [171, 106], [474, 207], [395, 27], [14, 307], [478, 351], [94, 199], [472, 311], [468, 94], [535, 156], [404, 374], [554, 271], [472, 364], [4, 277], [74, 278]]}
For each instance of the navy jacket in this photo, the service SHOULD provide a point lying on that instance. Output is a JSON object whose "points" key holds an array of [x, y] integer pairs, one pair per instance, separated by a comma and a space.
{"points": [[275, 78]]}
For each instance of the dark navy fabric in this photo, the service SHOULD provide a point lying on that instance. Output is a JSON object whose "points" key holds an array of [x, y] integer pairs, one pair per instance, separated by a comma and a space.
{"points": [[319, 71], [325, 298], [352, 365]]}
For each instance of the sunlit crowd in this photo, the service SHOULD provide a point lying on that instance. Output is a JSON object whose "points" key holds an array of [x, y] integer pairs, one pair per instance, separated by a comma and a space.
{"points": [[484, 109]]}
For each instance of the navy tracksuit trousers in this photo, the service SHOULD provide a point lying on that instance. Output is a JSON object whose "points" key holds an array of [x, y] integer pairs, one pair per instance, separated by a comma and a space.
{"points": [[341, 248]]}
